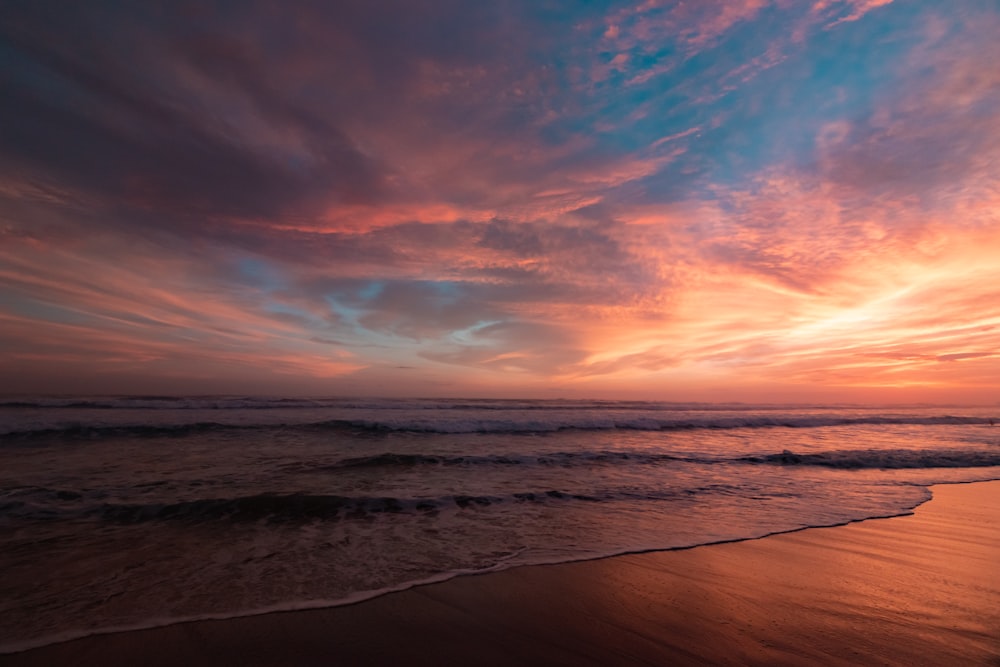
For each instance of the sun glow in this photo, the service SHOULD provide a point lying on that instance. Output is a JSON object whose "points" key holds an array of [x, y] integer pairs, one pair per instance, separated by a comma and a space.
{"points": [[707, 205]]}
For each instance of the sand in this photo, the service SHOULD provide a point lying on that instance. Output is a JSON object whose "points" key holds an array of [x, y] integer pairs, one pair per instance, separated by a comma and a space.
{"points": [[914, 590]]}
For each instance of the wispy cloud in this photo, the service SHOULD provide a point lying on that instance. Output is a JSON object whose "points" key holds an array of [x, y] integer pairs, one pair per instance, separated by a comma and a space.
{"points": [[659, 198]]}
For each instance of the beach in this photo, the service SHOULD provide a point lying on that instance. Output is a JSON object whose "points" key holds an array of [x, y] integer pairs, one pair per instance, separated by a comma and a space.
{"points": [[918, 589], [500, 333]]}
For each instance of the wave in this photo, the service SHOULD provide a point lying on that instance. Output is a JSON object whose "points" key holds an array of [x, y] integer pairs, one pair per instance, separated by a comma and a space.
{"points": [[869, 458], [848, 459], [603, 422], [40, 503], [893, 459], [512, 424], [392, 460], [36, 503]]}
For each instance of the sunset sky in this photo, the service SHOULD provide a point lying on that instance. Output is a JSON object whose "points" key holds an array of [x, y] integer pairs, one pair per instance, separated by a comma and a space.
{"points": [[706, 200]]}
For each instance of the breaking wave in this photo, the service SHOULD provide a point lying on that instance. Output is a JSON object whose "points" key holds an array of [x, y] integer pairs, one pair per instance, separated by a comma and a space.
{"points": [[868, 458], [512, 425], [49, 504], [890, 459]]}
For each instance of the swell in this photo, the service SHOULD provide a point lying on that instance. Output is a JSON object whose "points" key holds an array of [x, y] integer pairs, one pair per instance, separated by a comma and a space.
{"points": [[44, 504], [512, 425], [35, 503], [863, 458], [892, 459], [393, 460]]}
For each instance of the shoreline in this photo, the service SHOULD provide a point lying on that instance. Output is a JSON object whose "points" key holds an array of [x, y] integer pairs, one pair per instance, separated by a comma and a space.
{"points": [[860, 591], [367, 596]]}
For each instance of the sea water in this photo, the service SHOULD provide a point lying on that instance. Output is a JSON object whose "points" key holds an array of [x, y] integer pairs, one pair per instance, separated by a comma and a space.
{"points": [[123, 513]]}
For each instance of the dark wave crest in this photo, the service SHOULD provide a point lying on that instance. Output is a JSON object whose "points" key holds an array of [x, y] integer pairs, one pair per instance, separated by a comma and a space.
{"points": [[864, 458], [392, 460], [883, 458], [300, 507], [39, 504], [509, 425]]}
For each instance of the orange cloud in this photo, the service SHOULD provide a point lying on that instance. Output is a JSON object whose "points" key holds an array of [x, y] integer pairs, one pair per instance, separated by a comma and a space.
{"points": [[684, 196]]}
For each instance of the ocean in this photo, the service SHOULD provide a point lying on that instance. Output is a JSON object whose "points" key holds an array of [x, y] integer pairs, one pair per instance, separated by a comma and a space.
{"points": [[122, 513]]}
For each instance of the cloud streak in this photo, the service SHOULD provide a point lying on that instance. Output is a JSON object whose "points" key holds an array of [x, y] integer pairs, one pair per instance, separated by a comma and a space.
{"points": [[699, 201]]}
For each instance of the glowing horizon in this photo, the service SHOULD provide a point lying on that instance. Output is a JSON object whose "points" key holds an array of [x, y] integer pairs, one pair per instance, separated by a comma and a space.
{"points": [[759, 201]]}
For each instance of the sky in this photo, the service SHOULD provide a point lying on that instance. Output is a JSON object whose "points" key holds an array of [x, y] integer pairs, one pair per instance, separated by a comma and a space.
{"points": [[742, 200]]}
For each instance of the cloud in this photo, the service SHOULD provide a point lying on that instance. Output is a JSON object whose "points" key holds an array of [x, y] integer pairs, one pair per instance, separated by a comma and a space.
{"points": [[135, 133], [519, 347], [936, 142], [694, 25], [667, 194], [848, 10]]}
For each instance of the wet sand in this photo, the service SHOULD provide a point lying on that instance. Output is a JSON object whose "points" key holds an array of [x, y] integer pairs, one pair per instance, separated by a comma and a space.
{"points": [[914, 590]]}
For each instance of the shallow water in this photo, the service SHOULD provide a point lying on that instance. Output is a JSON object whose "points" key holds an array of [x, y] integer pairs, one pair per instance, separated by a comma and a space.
{"points": [[122, 512]]}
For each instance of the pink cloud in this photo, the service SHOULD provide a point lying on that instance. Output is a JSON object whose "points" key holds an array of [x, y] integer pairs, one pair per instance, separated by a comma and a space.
{"points": [[856, 9], [474, 212], [696, 25]]}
